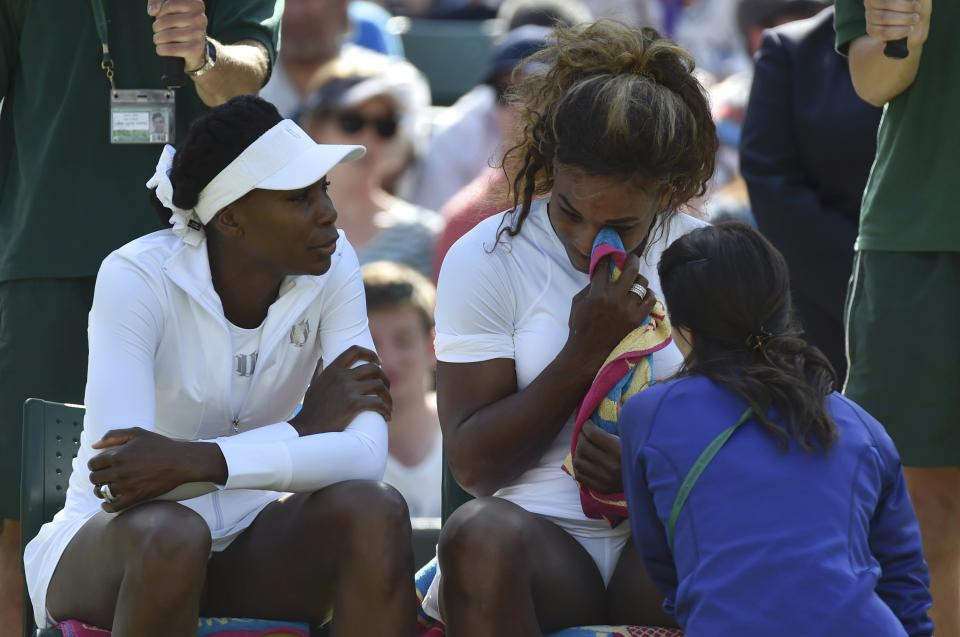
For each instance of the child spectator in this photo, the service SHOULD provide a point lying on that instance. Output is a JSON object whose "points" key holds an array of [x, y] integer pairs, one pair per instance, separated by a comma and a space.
{"points": [[400, 309]]}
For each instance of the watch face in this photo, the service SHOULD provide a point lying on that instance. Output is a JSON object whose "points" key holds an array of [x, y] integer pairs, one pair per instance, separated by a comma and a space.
{"points": [[211, 52]]}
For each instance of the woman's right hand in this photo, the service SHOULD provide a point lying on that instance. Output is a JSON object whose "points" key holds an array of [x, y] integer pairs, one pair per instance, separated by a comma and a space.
{"points": [[340, 392], [605, 311]]}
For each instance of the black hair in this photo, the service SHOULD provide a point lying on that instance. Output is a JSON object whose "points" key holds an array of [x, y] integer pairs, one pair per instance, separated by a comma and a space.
{"points": [[730, 288], [214, 140], [545, 13]]}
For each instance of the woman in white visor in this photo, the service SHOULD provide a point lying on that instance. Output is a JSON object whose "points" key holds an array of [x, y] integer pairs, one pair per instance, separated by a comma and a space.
{"points": [[198, 488]]}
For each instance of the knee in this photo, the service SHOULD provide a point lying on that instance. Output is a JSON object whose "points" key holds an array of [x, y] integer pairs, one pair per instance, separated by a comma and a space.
{"points": [[167, 541], [484, 536], [372, 518]]}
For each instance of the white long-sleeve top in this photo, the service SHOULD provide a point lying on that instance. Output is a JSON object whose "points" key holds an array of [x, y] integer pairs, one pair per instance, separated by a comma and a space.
{"points": [[161, 359]]}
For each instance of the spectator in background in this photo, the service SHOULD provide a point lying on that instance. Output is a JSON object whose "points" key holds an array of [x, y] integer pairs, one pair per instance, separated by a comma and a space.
{"points": [[315, 32], [728, 99], [470, 133], [483, 197], [545, 13], [370, 99], [400, 310], [463, 9], [756, 16], [808, 143], [368, 28], [904, 302], [68, 197], [632, 12], [705, 28]]}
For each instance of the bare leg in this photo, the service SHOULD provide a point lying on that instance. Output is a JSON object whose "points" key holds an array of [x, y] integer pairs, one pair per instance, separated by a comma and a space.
{"points": [[510, 573], [936, 499], [347, 546], [11, 576], [632, 597], [139, 573]]}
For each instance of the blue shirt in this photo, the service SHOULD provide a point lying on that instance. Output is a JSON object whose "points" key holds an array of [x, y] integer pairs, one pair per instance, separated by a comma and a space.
{"points": [[772, 541]]}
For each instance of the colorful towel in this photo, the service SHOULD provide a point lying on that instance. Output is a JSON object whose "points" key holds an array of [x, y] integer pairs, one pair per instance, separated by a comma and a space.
{"points": [[207, 627], [429, 627], [627, 370]]}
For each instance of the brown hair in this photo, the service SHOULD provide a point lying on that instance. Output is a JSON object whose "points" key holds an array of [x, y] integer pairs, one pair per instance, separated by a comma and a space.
{"points": [[612, 101], [390, 285]]}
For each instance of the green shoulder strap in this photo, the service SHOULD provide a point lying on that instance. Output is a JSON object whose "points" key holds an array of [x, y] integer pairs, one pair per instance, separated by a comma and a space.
{"points": [[100, 19], [698, 467]]}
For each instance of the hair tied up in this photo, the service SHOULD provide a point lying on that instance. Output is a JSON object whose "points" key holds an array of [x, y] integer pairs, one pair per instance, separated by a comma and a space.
{"points": [[759, 339]]}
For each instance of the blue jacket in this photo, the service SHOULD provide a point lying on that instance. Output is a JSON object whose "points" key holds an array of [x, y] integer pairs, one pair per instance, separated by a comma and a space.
{"points": [[772, 541]]}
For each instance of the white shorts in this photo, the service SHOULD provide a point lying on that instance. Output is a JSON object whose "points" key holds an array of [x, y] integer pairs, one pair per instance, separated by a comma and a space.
{"points": [[43, 553], [604, 549]]}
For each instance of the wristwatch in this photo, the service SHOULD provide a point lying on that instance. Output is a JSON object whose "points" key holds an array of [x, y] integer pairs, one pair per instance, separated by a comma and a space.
{"points": [[210, 54]]}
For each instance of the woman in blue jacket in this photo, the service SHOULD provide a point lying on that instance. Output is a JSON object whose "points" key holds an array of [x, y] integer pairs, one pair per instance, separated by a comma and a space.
{"points": [[763, 502]]}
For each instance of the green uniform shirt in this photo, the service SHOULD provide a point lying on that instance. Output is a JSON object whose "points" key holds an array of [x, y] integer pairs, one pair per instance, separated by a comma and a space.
{"points": [[910, 203], [67, 196]]}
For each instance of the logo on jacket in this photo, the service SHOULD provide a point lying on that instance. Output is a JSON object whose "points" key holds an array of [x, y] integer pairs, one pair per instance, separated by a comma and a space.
{"points": [[299, 333]]}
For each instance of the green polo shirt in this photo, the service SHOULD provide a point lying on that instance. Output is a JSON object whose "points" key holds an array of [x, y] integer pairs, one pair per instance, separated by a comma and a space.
{"points": [[67, 196], [910, 203]]}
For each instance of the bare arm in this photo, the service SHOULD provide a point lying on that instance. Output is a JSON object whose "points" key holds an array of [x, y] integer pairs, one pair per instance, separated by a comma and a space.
{"points": [[241, 70], [180, 30], [492, 432], [878, 79]]}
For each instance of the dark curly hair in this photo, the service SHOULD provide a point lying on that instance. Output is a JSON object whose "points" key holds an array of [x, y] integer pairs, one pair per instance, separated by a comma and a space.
{"points": [[613, 101], [730, 288], [214, 140]]}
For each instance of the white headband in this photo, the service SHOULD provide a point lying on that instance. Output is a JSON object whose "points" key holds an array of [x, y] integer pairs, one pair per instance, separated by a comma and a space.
{"points": [[283, 158]]}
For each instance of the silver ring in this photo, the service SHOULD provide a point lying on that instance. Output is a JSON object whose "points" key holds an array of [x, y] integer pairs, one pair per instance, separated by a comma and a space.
{"points": [[106, 493], [639, 290]]}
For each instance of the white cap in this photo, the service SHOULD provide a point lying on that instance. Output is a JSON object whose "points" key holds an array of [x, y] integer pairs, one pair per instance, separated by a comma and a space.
{"points": [[283, 158]]}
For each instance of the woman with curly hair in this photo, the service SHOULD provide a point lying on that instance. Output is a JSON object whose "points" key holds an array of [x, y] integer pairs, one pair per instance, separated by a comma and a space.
{"points": [[614, 132]]}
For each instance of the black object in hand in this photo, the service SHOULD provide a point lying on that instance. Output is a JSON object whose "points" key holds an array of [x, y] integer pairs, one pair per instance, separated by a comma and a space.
{"points": [[173, 74], [896, 49]]}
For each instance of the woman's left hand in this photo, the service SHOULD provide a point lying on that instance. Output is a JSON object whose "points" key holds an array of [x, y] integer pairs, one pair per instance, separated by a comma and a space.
{"points": [[140, 465], [597, 461]]}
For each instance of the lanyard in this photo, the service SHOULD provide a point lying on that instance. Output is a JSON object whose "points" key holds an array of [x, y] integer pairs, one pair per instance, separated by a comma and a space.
{"points": [[106, 62], [702, 461]]}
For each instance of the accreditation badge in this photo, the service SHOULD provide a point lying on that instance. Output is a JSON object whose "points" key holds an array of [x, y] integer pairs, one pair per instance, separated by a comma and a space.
{"points": [[143, 116]]}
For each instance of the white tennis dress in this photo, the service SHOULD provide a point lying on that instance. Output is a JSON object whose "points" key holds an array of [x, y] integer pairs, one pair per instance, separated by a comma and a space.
{"points": [[511, 299], [162, 358]]}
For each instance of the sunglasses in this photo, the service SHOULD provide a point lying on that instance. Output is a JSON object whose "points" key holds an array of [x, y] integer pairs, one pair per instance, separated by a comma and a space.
{"points": [[351, 123]]}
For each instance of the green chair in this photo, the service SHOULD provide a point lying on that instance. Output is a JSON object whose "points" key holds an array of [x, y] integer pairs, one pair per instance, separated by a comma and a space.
{"points": [[453, 54], [51, 438]]}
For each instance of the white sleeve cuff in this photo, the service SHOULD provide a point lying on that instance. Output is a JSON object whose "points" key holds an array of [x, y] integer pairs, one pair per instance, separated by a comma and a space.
{"points": [[473, 348], [258, 459]]}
